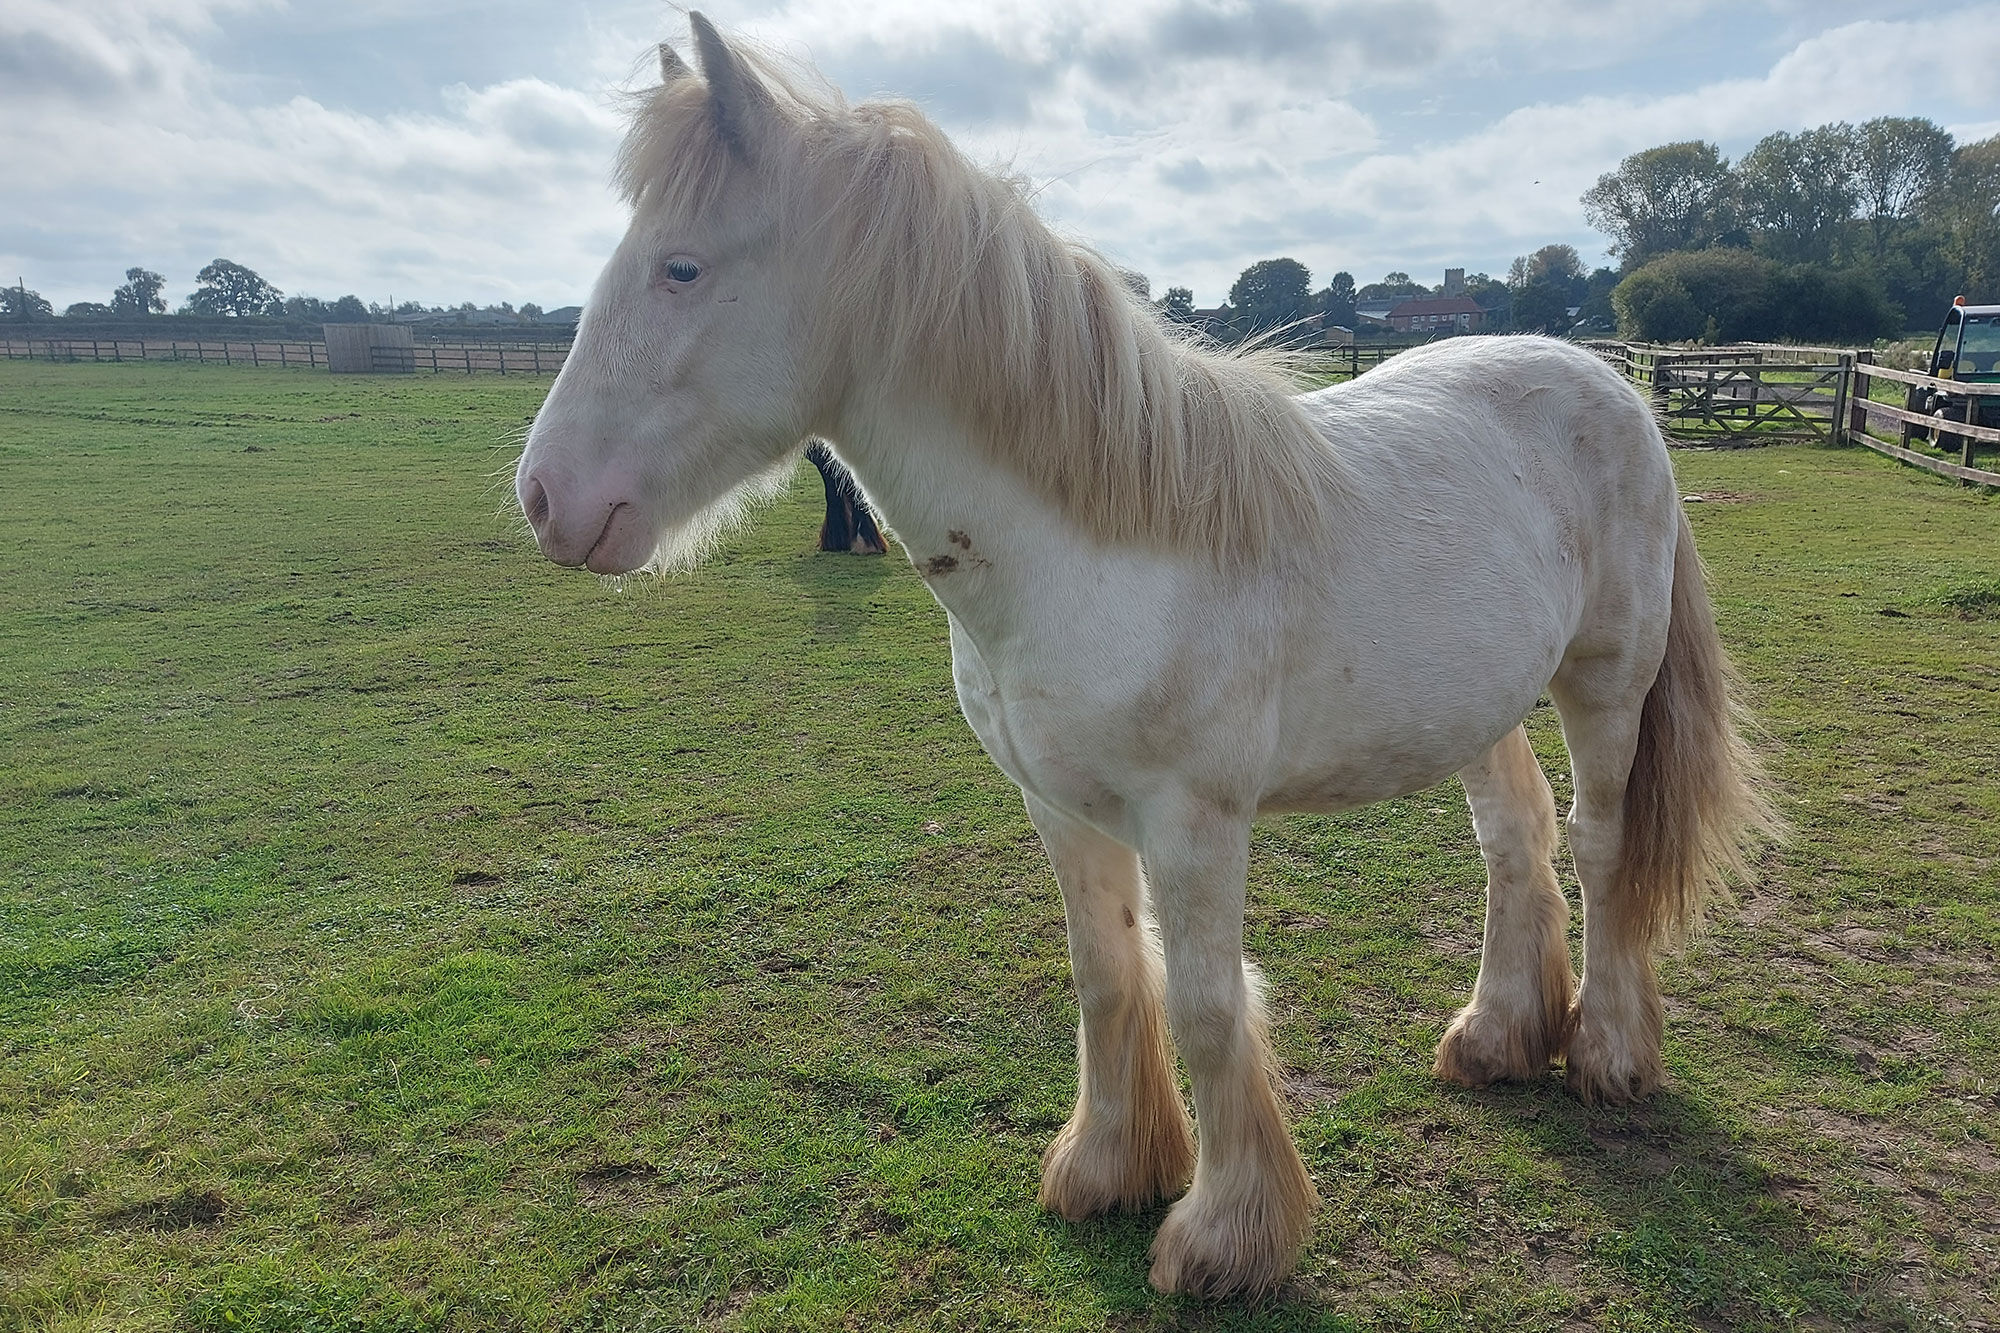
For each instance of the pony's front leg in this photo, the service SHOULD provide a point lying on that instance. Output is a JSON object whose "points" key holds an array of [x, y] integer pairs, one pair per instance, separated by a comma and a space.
{"points": [[1129, 1142], [1239, 1229]]}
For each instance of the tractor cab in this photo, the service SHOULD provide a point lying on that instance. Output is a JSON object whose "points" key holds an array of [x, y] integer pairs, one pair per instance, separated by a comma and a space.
{"points": [[1967, 351]]}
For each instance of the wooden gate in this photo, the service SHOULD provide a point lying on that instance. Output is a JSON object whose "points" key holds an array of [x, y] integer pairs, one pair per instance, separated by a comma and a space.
{"points": [[1740, 395]]}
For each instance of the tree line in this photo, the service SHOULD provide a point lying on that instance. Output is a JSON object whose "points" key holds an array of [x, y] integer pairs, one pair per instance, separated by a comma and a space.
{"points": [[1841, 233], [227, 289], [1548, 291]]}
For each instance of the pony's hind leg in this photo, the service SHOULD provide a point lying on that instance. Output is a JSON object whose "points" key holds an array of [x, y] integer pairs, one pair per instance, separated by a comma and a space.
{"points": [[1518, 1016], [1670, 803], [1239, 1229], [1129, 1141], [1613, 1053]]}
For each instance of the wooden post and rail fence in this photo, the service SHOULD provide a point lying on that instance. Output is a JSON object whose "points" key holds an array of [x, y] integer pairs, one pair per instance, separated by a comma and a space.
{"points": [[1757, 393], [230, 352], [434, 358], [1732, 395]]}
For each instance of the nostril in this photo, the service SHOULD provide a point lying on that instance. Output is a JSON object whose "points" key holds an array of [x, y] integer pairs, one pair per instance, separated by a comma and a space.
{"points": [[535, 503]]}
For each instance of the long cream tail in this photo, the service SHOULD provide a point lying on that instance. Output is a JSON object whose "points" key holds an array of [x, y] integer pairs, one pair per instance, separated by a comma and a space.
{"points": [[1697, 804]]}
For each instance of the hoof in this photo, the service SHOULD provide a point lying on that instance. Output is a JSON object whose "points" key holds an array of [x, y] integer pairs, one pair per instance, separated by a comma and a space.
{"points": [[1087, 1173], [1481, 1048], [1210, 1253], [1603, 1070]]}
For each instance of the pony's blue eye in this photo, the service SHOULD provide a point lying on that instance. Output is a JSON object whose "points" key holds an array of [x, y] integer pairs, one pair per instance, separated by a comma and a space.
{"points": [[683, 270]]}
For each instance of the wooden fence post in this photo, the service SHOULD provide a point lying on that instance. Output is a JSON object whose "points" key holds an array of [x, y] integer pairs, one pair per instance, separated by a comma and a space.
{"points": [[1857, 415], [1836, 424]]}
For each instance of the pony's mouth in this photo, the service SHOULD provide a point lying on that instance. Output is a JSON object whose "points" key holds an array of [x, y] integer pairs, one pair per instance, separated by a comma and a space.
{"points": [[604, 556]]}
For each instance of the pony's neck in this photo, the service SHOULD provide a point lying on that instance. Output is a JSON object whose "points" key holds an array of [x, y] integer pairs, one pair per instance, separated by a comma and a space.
{"points": [[922, 466], [970, 525], [1049, 372]]}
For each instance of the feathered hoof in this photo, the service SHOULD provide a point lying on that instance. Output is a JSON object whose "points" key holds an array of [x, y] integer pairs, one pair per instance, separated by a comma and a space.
{"points": [[1087, 1173], [1241, 1249], [1603, 1070], [1481, 1048]]}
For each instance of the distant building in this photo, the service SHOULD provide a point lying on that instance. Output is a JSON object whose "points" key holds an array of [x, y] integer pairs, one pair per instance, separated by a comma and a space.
{"points": [[1438, 314], [1375, 309], [568, 314], [1454, 282]]}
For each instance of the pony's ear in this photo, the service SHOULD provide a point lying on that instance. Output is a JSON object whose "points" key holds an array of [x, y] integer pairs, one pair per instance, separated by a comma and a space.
{"points": [[672, 68], [742, 106]]}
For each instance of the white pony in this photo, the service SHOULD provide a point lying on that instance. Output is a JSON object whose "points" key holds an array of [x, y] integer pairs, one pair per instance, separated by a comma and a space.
{"points": [[1179, 597]]}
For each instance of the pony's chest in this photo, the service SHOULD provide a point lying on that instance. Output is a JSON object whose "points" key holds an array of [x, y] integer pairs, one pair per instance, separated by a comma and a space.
{"points": [[1061, 745]]}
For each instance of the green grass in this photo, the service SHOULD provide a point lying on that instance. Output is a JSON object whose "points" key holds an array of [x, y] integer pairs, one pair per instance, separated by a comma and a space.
{"points": [[397, 932]]}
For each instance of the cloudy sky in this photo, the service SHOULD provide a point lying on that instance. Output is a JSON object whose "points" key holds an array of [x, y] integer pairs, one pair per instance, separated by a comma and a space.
{"points": [[459, 149]]}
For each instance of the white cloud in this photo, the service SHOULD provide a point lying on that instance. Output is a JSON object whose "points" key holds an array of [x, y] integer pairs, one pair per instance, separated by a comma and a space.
{"points": [[1187, 138], [499, 194]]}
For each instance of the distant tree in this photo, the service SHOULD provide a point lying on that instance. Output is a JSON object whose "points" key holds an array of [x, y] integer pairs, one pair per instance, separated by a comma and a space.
{"points": [[1136, 283], [1726, 294], [1394, 287], [309, 308], [228, 288], [1966, 214], [529, 310], [1495, 298], [1812, 301], [1336, 300], [1270, 294], [1554, 265], [24, 303], [1921, 269], [1542, 306], [347, 310], [1543, 286], [1654, 305], [1799, 191], [415, 308], [1595, 308], [1178, 305], [1727, 290], [1898, 162], [1678, 196], [88, 310], [141, 294]]}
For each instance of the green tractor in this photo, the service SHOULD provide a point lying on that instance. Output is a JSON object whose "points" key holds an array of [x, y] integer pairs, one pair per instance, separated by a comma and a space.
{"points": [[1968, 352]]}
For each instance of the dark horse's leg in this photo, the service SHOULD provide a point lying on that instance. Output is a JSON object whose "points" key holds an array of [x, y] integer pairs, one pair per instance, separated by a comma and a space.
{"points": [[850, 525]]}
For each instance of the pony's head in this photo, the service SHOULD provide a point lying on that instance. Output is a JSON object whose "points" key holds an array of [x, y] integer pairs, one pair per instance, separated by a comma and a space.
{"points": [[693, 376], [792, 261]]}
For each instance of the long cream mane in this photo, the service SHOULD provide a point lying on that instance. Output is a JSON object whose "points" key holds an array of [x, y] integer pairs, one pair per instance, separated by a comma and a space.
{"points": [[945, 275]]}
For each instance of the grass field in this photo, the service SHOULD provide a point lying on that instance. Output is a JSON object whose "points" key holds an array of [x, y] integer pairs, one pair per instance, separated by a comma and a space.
{"points": [[397, 932]]}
